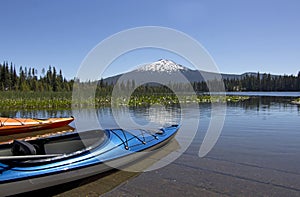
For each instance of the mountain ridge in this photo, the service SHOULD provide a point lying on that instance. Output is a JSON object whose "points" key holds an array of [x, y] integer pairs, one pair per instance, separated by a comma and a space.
{"points": [[171, 71]]}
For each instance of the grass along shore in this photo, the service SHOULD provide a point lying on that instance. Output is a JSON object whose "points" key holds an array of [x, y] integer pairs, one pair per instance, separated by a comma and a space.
{"points": [[63, 100], [35, 100]]}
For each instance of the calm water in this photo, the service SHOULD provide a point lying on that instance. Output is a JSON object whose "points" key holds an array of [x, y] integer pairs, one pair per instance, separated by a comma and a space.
{"points": [[257, 154]]}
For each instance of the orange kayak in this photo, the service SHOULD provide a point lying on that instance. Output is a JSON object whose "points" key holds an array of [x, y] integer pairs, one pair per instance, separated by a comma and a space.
{"points": [[20, 125]]}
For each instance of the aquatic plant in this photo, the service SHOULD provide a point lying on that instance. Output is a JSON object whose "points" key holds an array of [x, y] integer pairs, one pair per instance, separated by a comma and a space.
{"points": [[35, 100], [63, 100], [296, 101]]}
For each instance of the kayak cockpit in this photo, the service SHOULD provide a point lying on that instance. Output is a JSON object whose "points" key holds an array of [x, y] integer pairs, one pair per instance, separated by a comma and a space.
{"points": [[51, 149]]}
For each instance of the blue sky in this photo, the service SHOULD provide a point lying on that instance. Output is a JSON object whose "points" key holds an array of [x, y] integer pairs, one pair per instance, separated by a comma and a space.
{"points": [[241, 36]]}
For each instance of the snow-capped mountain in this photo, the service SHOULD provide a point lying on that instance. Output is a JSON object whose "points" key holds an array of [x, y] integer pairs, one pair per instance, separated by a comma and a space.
{"points": [[162, 65], [168, 71]]}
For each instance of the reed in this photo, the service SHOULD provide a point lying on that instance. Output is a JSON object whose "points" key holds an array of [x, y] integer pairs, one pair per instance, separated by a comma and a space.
{"points": [[35, 100]]}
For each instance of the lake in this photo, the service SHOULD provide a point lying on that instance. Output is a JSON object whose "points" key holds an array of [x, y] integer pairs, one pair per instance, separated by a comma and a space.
{"points": [[257, 153]]}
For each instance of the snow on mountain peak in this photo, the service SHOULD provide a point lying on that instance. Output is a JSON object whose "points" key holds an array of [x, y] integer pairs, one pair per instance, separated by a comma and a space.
{"points": [[162, 66]]}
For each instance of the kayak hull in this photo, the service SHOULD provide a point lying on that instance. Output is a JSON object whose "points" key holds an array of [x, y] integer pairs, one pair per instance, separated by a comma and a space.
{"points": [[41, 182], [10, 126]]}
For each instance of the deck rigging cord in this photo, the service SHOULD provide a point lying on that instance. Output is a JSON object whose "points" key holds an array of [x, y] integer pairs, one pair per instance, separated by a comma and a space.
{"points": [[125, 142]]}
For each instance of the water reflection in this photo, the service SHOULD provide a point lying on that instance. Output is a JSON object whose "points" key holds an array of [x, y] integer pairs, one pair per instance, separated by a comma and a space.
{"points": [[264, 103], [158, 114]]}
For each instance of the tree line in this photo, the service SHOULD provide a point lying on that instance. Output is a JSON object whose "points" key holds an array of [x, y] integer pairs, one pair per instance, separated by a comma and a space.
{"points": [[256, 82], [27, 79], [264, 82], [247, 82]]}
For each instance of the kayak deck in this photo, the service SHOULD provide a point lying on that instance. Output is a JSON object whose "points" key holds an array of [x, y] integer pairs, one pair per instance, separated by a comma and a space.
{"points": [[72, 144], [101, 150], [19, 125]]}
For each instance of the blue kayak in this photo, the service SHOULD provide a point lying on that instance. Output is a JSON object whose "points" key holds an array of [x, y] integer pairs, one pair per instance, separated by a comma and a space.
{"points": [[44, 162]]}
